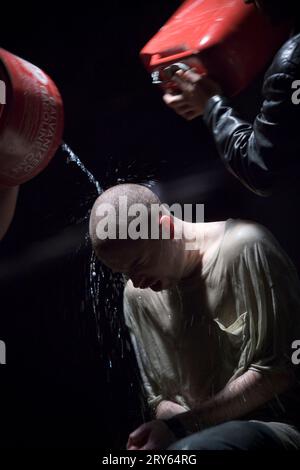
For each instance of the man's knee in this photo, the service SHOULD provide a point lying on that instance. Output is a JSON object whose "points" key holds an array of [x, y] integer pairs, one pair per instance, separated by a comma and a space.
{"points": [[234, 435]]}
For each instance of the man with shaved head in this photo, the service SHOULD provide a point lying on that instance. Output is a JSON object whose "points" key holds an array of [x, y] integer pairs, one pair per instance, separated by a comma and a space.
{"points": [[213, 310]]}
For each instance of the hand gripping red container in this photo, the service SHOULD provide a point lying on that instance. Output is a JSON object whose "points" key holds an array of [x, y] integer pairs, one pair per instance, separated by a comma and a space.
{"points": [[31, 120], [226, 39]]}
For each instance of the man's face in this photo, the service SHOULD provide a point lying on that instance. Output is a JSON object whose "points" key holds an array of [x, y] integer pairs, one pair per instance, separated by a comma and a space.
{"points": [[152, 263]]}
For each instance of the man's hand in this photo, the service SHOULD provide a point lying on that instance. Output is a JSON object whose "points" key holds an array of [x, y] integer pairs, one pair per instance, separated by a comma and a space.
{"points": [[194, 92], [167, 409], [153, 435]]}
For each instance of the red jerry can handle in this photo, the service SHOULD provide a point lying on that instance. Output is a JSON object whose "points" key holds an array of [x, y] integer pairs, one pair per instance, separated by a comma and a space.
{"points": [[230, 41]]}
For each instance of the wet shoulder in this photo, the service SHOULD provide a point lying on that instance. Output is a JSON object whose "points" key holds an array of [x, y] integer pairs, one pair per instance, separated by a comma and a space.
{"points": [[242, 235]]}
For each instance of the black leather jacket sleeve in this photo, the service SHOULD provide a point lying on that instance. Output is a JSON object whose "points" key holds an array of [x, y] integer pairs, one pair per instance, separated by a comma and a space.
{"points": [[264, 156]]}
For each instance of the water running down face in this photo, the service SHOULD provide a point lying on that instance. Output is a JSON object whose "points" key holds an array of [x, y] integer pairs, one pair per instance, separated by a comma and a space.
{"points": [[124, 239], [148, 263]]}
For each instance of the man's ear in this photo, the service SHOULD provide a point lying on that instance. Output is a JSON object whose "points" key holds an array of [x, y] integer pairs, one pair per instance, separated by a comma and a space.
{"points": [[166, 227]]}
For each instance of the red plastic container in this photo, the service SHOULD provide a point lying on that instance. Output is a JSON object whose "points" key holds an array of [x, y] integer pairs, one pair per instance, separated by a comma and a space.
{"points": [[31, 120], [226, 39]]}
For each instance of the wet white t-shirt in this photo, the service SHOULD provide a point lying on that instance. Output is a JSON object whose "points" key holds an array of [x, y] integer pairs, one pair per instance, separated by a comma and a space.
{"points": [[242, 312]]}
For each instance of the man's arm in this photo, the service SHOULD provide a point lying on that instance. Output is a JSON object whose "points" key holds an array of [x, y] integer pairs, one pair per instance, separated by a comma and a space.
{"points": [[167, 409], [160, 408], [240, 397], [264, 155], [8, 199], [151, 387]]}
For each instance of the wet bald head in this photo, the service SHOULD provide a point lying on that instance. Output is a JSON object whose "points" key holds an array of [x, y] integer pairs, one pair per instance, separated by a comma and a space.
{"points": [[109, 209]]}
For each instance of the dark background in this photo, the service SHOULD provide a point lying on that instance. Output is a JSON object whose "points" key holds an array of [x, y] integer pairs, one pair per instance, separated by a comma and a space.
{"points": [[62, 386]]}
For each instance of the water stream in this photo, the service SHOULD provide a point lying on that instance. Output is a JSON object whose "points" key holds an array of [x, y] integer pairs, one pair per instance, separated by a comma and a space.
{"points": [[104, 295]]}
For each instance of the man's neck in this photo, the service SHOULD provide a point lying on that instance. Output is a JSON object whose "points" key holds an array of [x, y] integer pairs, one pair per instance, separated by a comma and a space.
{"points": [[208, 237]]}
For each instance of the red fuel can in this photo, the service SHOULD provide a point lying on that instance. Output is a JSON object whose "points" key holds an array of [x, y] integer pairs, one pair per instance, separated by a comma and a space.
{"points": [[226, 39], [31, 120]]}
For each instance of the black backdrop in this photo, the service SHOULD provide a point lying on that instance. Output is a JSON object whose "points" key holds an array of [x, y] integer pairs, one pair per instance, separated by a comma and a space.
{"points": [[61, 386]]}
